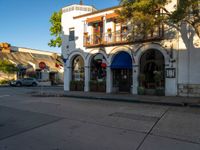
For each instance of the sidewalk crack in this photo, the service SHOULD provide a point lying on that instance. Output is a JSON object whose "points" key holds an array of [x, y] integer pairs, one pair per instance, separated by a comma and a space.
{"points": [[149, 133]]}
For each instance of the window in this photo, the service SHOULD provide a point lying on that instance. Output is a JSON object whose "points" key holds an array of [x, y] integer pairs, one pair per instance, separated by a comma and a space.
{"points": [[71, 34]]}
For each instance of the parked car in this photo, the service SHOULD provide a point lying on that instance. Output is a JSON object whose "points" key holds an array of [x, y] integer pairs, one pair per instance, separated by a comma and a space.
{"points": [[24, 82]]}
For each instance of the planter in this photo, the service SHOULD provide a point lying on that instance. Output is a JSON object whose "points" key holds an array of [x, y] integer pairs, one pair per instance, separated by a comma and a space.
{"points": [[160, 91], [101, 87], [141, 90], [93, 86], [97, 86], [76, 85]]}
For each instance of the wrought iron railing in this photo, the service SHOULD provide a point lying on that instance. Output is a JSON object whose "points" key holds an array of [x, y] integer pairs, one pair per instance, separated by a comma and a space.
{"points": [[121, 37]]}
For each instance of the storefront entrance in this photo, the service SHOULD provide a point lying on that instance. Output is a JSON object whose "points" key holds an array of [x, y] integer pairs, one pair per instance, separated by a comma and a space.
{"points": [[122, 78], [122, 72], [152, 71]]}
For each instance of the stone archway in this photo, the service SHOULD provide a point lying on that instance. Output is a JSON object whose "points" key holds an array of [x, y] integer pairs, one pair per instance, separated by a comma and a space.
{"points": [[152, 71]]}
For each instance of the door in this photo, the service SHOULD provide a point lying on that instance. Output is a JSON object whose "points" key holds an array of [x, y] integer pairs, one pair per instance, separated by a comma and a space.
{"points": [[122, 78], [97, 32]]}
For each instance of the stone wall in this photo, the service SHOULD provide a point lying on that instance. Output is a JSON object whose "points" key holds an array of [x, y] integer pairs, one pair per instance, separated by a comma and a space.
{"points": [[192, 90]]}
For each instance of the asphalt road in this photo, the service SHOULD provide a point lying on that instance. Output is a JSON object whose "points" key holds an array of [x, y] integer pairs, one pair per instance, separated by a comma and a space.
{"points": [[46, 123]]}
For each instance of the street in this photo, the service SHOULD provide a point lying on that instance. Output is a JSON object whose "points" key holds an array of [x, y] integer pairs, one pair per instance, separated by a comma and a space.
{"points": [[62, 123]]}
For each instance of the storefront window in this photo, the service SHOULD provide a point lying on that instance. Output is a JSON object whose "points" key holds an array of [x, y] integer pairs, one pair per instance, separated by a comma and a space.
{"points": [[98, 68], [152, 69], [78, 69]]}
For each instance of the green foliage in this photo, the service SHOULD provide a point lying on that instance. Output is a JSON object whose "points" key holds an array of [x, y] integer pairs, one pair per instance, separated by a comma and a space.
{"points": [[56, 29], [3, 82], [145, 14], [76, 85], [7, 67]]}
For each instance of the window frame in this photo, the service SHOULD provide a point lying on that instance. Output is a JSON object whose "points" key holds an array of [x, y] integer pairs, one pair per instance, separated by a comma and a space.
{"points": [[71, 36]]}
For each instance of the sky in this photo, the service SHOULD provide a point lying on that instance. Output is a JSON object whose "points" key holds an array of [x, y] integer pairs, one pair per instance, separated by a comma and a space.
{"points": [[25, 23]]}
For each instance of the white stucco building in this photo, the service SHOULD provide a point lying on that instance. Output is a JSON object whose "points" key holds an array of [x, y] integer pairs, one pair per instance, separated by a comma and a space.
{"points": [[99, 57]]}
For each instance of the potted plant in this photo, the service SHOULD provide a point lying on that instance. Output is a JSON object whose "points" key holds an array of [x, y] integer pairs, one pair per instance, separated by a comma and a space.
{"points": [[85, 33], [109, 31], [124, 28], [141, 88]]}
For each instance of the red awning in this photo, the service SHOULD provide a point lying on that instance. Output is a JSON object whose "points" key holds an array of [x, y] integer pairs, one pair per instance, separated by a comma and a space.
{"points": [[94, 19], [112, 15]]}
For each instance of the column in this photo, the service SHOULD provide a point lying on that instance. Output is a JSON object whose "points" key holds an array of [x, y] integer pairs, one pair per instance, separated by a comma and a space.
{"points": [[108, 80], [87, 79], [67, 78], [171, 85], [135, 80]]}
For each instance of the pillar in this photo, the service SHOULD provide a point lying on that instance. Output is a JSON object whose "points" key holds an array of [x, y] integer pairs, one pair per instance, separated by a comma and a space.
{"points": [[135, 82], [108, 80], [87, 79], [67, 77]]}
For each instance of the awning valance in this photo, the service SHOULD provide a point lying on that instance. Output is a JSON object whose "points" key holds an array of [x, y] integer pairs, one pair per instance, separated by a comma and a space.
{"points": [[112, 15], [122, 61], [94, 19]]}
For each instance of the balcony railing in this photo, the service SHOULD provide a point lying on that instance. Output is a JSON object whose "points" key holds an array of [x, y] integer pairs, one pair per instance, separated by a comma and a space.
{"points": [[120, 37]]}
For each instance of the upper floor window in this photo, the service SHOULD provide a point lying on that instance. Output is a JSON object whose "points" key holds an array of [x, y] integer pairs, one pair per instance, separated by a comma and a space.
{"points": [[71, 34]]}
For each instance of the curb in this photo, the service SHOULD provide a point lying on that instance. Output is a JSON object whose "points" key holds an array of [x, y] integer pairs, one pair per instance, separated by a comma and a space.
{"points": [[4, 86], [184, 104]]}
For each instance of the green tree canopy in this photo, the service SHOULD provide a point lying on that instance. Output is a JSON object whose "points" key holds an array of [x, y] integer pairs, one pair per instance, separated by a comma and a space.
{"points": [[56, 29], [7, 67], [148, 13]]}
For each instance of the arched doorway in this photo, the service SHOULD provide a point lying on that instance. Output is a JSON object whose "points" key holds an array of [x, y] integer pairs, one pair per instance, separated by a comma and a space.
{"points": [[77, 82], [122, 72], [152, 71], [98, 73]]}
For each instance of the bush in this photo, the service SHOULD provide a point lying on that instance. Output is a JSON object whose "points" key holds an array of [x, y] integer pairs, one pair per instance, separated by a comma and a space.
{"points": [[76, 85], [141, 90], [160, 91], [96, 86], [3, 82]]}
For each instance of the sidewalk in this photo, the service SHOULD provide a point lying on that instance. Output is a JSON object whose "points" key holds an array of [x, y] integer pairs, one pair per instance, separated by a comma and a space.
{"points": [[159, 100]]}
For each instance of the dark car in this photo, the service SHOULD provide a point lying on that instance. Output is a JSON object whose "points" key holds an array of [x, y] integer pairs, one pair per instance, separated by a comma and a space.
{"points": [[24, 82]]}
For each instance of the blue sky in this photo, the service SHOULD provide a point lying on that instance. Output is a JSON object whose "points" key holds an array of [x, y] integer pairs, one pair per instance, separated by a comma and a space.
{"points": [[25, 23]]}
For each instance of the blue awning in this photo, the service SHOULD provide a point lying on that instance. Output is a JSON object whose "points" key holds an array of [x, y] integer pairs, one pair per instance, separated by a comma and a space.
{"points": [[122, 61]]}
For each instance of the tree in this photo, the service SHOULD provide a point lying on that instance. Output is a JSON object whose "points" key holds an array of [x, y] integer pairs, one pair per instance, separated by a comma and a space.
{"points": [[56, 29], [145, 14], [7, 67]]}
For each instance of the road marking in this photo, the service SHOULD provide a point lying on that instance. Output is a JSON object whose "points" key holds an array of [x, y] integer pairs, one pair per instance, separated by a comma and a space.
{"points": [[4, 96]]}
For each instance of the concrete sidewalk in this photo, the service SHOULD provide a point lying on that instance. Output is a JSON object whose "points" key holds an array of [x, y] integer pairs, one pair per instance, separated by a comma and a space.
{"points": [[124, 97]]}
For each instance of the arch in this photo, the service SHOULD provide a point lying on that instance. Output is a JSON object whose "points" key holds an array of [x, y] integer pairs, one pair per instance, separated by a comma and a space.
{"points": [[78, 68], [98, 73], [117, 50], [98, 67], [94, 52], [121, 67], [122, 60], [77, 73], [148, 46], [73, 55], [152, 69]]}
